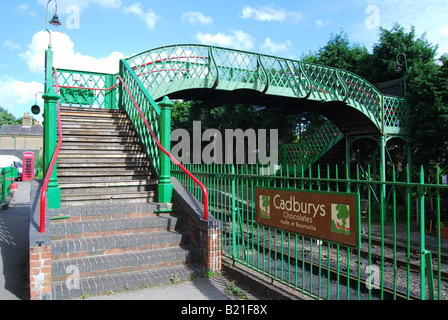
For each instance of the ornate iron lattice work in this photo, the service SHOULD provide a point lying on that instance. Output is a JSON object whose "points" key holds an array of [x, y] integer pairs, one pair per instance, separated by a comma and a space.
{"points": [[309, 151], [101, 97], [150, 110], [171, 69]]}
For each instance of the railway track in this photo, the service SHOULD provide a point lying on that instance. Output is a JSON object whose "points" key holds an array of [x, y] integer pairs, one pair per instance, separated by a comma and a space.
{"points": [[279, 250], [411, 251]]}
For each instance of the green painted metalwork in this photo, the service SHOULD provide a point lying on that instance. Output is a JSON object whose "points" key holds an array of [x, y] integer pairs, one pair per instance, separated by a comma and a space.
{"points": [[76, 96], [50, 131], [100, 97], [308, 152], [301, 262], [6, 178], [171, 69], [150, 110], [165, 186]]}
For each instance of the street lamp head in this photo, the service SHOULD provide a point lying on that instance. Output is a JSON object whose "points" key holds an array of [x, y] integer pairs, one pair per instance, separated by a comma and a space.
{"points": [[401, 63], [35, 109], [55, 21]]}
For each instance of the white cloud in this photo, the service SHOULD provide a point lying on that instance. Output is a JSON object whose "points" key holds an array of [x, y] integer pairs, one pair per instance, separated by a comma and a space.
{"points": [[275, 48], [112, 4], [11, 45], [269, 13], [148, 16], [25, 9], [444, 30], [64, 55], [237, 39], [14, 92], [321, 24], [82, 4], [426, 16], [197, 17]]}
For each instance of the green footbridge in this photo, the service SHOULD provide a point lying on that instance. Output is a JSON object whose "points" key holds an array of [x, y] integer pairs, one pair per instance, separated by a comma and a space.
{"points": [[217, 76], [142, 91]]}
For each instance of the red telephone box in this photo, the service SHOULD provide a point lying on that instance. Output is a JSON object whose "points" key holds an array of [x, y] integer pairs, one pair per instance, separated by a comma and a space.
{"points": [[28, 166]]}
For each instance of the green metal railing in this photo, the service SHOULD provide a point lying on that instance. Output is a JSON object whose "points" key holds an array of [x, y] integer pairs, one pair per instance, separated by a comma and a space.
{"points": [[393, 261], [150, 110], [7, 178], [102, 96], [308, 152], [166, 70]]}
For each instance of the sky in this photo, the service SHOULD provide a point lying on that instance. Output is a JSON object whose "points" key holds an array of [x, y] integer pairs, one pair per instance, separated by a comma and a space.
{"points": [[95, 34]]}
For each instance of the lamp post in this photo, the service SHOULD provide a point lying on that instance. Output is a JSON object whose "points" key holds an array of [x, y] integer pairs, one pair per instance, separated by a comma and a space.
{"points": [[399, 69], [50, 117]]}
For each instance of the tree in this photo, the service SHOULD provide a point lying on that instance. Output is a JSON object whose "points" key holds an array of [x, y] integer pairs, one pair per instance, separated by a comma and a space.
{"points": [[419, 72], [233, 117], [340, 53], [418, 51], [439, 124], [8, 118], [426, 84]]}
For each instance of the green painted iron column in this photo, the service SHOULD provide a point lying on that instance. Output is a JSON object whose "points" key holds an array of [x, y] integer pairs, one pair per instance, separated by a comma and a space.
{"points": [[50, 131], [165, 187]]}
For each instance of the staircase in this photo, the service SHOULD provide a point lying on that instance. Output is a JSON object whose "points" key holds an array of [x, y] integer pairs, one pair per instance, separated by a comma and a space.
{"points": [[109, 235], [303, 155], [101, 161]]}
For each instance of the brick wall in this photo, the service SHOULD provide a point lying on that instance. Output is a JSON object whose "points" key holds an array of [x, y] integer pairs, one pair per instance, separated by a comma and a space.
{"points": [[204, 235], [39, 250], [40, 272]]}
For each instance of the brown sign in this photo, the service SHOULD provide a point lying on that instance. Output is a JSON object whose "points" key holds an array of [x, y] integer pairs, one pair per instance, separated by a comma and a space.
{"points": [[321, 215]]}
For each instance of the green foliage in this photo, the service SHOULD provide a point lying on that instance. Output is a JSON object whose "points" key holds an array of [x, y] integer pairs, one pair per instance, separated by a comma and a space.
{"points": [[39, 166], [339, 53], [8, 118], [233, 117], [426, 90], [425, 78]]}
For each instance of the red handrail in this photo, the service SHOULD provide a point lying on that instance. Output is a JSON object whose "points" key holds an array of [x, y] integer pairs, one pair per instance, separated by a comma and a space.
{"points": [[204, 190], [43, 193]]}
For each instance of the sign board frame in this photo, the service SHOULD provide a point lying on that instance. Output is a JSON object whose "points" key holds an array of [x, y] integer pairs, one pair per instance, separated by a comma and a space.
{"points": [[324, 215]]}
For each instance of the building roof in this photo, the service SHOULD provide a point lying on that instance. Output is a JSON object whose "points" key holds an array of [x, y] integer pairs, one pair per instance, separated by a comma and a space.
{"points": [[8, 130]]}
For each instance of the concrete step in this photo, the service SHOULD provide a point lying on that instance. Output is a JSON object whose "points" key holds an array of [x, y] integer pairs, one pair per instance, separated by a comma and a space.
{"points": [[104, 147], [68, 118], [126, 281], [109, 229], [100, 154], [107, 245], [107, 187], [81, 113], [70, 200], [108, 212], [100, 159], [64, 230], [98, 139], [107, 164], [124, 262], [125, 125], [98, 132], [102, 175]]}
